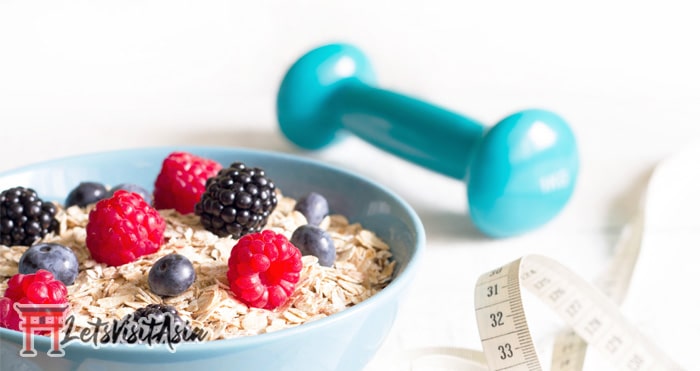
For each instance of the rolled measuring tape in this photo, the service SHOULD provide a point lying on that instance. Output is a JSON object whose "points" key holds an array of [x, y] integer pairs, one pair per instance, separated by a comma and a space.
{"points": [[594, 318], [591, 311]]}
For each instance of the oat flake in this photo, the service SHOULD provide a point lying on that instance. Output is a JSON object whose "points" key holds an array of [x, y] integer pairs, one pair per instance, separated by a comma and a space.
{"points": [[363, 267]]}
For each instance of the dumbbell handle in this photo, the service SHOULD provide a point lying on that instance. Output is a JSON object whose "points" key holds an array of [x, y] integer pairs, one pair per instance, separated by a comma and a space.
{"points": [[417, 131], [521, 171]]}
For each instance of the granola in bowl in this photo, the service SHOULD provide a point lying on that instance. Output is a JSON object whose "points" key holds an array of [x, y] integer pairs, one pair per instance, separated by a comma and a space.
{"points": [[362, 268], [310, 338]]}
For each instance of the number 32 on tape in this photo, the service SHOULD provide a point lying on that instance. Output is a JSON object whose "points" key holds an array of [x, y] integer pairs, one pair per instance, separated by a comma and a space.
{"points": [[594, 318]]}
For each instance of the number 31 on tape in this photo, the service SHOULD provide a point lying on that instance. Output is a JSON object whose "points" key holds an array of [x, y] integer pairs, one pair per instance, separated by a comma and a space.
{"points": [[594, 318]]}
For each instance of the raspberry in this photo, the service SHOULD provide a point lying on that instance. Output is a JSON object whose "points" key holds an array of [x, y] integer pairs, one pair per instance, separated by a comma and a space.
{"points": [[38, 288], [122, 228], [24, 217], [237, 201], [181, 181], [263, 269]]}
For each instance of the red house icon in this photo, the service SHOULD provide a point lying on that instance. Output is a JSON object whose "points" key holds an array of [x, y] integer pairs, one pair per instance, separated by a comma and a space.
{"points": [[41, 317]]}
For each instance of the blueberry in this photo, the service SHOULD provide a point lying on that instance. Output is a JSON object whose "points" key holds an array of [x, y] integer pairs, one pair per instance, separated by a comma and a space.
{"points": [[55, 258], [86, 193], [134, 189], [171, 275], [312, 240], [313, 206]]}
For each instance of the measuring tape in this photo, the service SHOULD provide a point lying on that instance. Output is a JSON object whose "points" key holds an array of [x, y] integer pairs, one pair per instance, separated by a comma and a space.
{"points": [[594, 318], [591, 312]]}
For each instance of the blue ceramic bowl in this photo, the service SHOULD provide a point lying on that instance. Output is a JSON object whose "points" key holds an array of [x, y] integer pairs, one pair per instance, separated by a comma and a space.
{"points": [[343, 341]]}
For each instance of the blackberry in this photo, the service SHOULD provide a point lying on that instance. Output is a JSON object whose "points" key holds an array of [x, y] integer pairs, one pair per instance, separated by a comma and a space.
{"points": [[159, 313], [24, 217], [237, 201]]}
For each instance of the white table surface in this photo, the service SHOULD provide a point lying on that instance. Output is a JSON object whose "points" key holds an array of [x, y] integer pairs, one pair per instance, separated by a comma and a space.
{"points": [[84, 76]]}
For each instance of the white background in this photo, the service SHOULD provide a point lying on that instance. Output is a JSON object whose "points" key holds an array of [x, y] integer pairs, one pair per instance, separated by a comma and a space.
{"points": [[85, 76]]}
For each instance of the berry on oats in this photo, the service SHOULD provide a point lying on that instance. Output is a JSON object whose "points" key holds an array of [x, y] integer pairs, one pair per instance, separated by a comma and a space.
{"points": [[86, 193], [122, 228], [38, 288], [181, 181], [133, 188], [171, 275], [55, 258], [263, 269], [157, 312], [237, 201], [163, 314], [314, 207], [24, 217], [313, 240]]}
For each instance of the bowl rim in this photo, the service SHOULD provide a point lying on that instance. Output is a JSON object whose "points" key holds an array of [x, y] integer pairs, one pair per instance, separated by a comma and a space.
{"points": [[398, 284]]}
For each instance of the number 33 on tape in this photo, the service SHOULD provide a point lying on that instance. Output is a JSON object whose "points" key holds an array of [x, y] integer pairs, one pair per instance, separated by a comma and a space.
{"points": [[594, 318], [591, 312]]}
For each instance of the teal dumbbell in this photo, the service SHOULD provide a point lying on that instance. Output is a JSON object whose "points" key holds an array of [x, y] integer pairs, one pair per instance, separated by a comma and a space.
{"points": [[520, 173]]}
